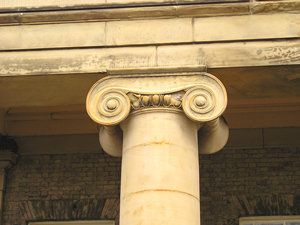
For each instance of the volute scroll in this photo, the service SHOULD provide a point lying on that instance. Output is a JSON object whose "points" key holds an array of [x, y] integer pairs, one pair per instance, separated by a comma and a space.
{"points": [[200, 95], [203, 103], [108, 106]]}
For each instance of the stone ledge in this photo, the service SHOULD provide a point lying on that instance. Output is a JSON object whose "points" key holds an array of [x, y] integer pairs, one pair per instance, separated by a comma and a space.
{"points": [[112, 10], [111, 14], [150, 32], [96, 60]]}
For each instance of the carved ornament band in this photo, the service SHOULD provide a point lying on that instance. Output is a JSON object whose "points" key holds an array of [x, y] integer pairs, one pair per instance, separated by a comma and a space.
{"points": [[200, 95]]}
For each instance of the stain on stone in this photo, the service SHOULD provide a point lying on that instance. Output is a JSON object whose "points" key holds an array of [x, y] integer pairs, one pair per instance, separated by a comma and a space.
{"points": [[280, 54]]}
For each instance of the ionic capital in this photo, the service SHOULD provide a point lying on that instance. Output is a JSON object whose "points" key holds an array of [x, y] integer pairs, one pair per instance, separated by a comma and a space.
{"points": [[201, 96]]}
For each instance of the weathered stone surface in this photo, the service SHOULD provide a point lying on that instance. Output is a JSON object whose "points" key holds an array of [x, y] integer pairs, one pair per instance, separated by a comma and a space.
{"points": [[52, 36], [149, 32], [247, 27], [264, 7], [75, 61], [231, 54]]}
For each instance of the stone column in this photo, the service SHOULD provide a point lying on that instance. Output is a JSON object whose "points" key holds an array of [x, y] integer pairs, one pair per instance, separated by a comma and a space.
{"points": [[153, 121]]}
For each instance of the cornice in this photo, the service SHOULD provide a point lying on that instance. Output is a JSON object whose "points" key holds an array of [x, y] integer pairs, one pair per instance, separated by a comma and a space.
{"points": [[111, 12]]}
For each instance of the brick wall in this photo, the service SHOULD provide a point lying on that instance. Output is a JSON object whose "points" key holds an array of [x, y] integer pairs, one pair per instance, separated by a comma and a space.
{"points": [[260, 182], [62, 187], [234, 183]]}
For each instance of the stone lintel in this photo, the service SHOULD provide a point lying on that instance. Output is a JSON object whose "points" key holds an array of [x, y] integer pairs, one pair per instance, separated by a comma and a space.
{"points": [[99, 60]]}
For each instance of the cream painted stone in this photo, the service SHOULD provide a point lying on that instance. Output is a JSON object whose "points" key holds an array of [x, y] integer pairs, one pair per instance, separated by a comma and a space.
{"points": [[160, 113], [52, 36], [247, 27], [161, 207], [149, 31], [160, 152], [183, 55], [161, 134], [179, 91], [160, 176], [213, 133], [110, 139]]}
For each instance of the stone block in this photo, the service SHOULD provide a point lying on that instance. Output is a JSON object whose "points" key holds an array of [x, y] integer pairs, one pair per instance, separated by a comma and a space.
{"points": [[246, 27], [180, 55], [52, 36], [149, 31]]}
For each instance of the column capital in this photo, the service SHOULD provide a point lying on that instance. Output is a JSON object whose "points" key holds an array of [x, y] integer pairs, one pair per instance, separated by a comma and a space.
{"points": [[197, 94], [200, 95]]}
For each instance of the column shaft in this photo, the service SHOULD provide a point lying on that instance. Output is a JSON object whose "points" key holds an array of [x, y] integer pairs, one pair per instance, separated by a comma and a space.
{"points": [[160, 170]]}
